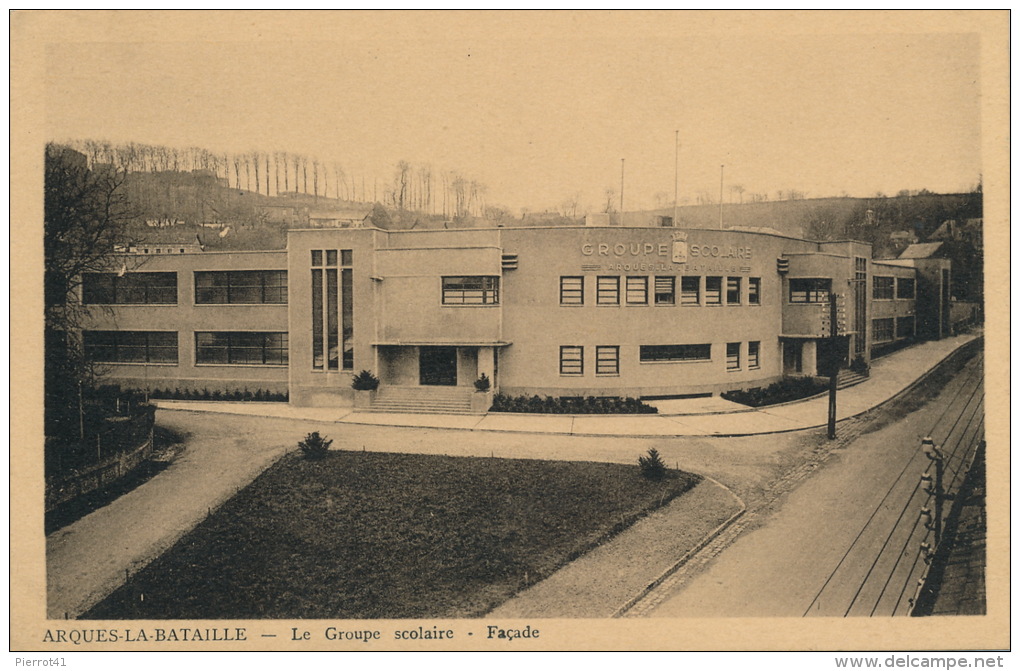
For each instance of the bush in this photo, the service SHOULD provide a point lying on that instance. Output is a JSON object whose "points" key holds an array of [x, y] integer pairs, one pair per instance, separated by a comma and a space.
{"points": [[483, 383], [860, 366], [652, 466], [315, 446], [570, 405], [365, 381], [789, 389]]}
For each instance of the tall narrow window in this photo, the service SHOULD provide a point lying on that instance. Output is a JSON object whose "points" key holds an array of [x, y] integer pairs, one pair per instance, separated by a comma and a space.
{"points": [[347, 311], [713, 291], [332, 317], [754, 354], [608, 291], [732, 356], [754, 290], [732, 291], [637, 291], [690, 290], [572, 291], [607, 360], [665, 290], [318, 349], [571, 360]]}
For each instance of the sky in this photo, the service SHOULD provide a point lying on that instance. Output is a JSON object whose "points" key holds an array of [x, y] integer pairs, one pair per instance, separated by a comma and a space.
{"points": [[540, 112]]}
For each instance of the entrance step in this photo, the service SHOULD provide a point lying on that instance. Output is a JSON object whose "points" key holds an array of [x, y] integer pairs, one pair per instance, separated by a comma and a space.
{"points": [[848, 378], [441, 400]]}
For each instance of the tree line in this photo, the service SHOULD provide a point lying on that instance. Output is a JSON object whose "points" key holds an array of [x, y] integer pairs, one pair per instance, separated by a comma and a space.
{"points": [[420, 188]]}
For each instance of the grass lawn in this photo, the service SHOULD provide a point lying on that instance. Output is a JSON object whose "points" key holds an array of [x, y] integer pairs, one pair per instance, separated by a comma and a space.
{"points": [[374, 535]]}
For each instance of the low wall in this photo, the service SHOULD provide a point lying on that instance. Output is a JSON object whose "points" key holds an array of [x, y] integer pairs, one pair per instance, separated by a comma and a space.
{"points": [[67, 488]]}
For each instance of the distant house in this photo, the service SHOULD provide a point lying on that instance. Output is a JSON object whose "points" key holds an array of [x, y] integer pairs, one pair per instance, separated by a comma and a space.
{"points": [[355, 216], [162, 244]]}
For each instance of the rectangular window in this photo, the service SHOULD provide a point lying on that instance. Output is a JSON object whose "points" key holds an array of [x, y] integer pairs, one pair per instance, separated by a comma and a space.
{"points": [[221, 287], [332, 310], [571, 360], [607, 360], [904, 328], [675, 353], [809, 290], [473, 290], [754, 290], [608, 291], [732, 356], [665, 290], [882, 288], [130, 288], [637, 291], [690, 290], [347, 310], [732, 291], [318, 344], [131, 346], [905, 287], [753, 354], [882, 330], [242, 348], [713, 291], [332, 317], [572, 291]]}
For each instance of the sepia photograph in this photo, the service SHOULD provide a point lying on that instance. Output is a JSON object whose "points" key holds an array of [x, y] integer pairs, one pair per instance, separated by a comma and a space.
{"points": [[426, 330]]}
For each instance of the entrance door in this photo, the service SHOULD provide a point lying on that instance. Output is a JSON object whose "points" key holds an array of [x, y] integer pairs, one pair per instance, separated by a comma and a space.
{"points": [[437, 366], [832, 354], [791, 357]]}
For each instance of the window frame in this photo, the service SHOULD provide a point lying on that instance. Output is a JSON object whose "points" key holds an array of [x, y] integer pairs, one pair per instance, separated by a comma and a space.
{"points": [[571, 296], [607, 366], [671, 281], [817, 292], [730, 281], [271, 285], [754, 291], [753, 354], [901, 282], [147, 347], [143, 282], [578, 361], [487, 290], [713, 296], [732, 356], [612, 292], [883, 287], [637, 285], [875, 330], [681, 353], [685, 293], [229, 348]]}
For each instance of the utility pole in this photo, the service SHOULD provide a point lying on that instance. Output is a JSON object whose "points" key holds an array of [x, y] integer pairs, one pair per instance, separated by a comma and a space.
{"points": [[722, 169], [676, 176], [834, 366], [935, 454]]}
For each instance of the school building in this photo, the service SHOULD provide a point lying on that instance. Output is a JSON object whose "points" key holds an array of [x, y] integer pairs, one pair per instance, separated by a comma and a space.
{"points": [[558, 311]]}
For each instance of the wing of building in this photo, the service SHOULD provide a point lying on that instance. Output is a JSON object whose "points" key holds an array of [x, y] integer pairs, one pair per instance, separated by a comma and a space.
{"points": [[559, 311]]}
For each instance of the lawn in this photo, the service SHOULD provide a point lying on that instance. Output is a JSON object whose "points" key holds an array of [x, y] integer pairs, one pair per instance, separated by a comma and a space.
{"points": [[374, 535]]}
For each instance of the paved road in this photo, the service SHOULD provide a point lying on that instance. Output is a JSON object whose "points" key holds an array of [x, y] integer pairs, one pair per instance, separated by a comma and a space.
{"points": [[847, 541]]}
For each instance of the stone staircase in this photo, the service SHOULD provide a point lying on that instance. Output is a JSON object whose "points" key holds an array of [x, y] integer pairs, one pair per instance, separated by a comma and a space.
{"points": [[441, 400], [848, 378]]}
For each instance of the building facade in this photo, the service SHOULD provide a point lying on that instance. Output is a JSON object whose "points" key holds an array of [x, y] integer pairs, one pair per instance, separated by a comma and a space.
{"points": [[559, 311]]}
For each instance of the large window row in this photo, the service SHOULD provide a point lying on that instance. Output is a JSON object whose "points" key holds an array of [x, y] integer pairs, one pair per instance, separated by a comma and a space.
{"points": [[224, 287], [662, 290], [129, 288], [246, 348], [607, 357]]}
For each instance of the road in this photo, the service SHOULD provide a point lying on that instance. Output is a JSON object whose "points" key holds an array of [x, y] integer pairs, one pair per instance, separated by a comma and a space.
{"points": [[847, 541]]}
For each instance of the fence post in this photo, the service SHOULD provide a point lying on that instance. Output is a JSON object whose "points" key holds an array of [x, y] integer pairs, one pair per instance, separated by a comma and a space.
{"points": [[935, 455]]}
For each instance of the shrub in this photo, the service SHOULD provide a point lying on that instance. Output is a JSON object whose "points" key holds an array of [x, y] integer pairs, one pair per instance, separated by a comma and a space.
{"points": [[575, 405], [315, 446], [860, 366], [483, 383], [365, 381], [652, 466], [789, 389]]}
